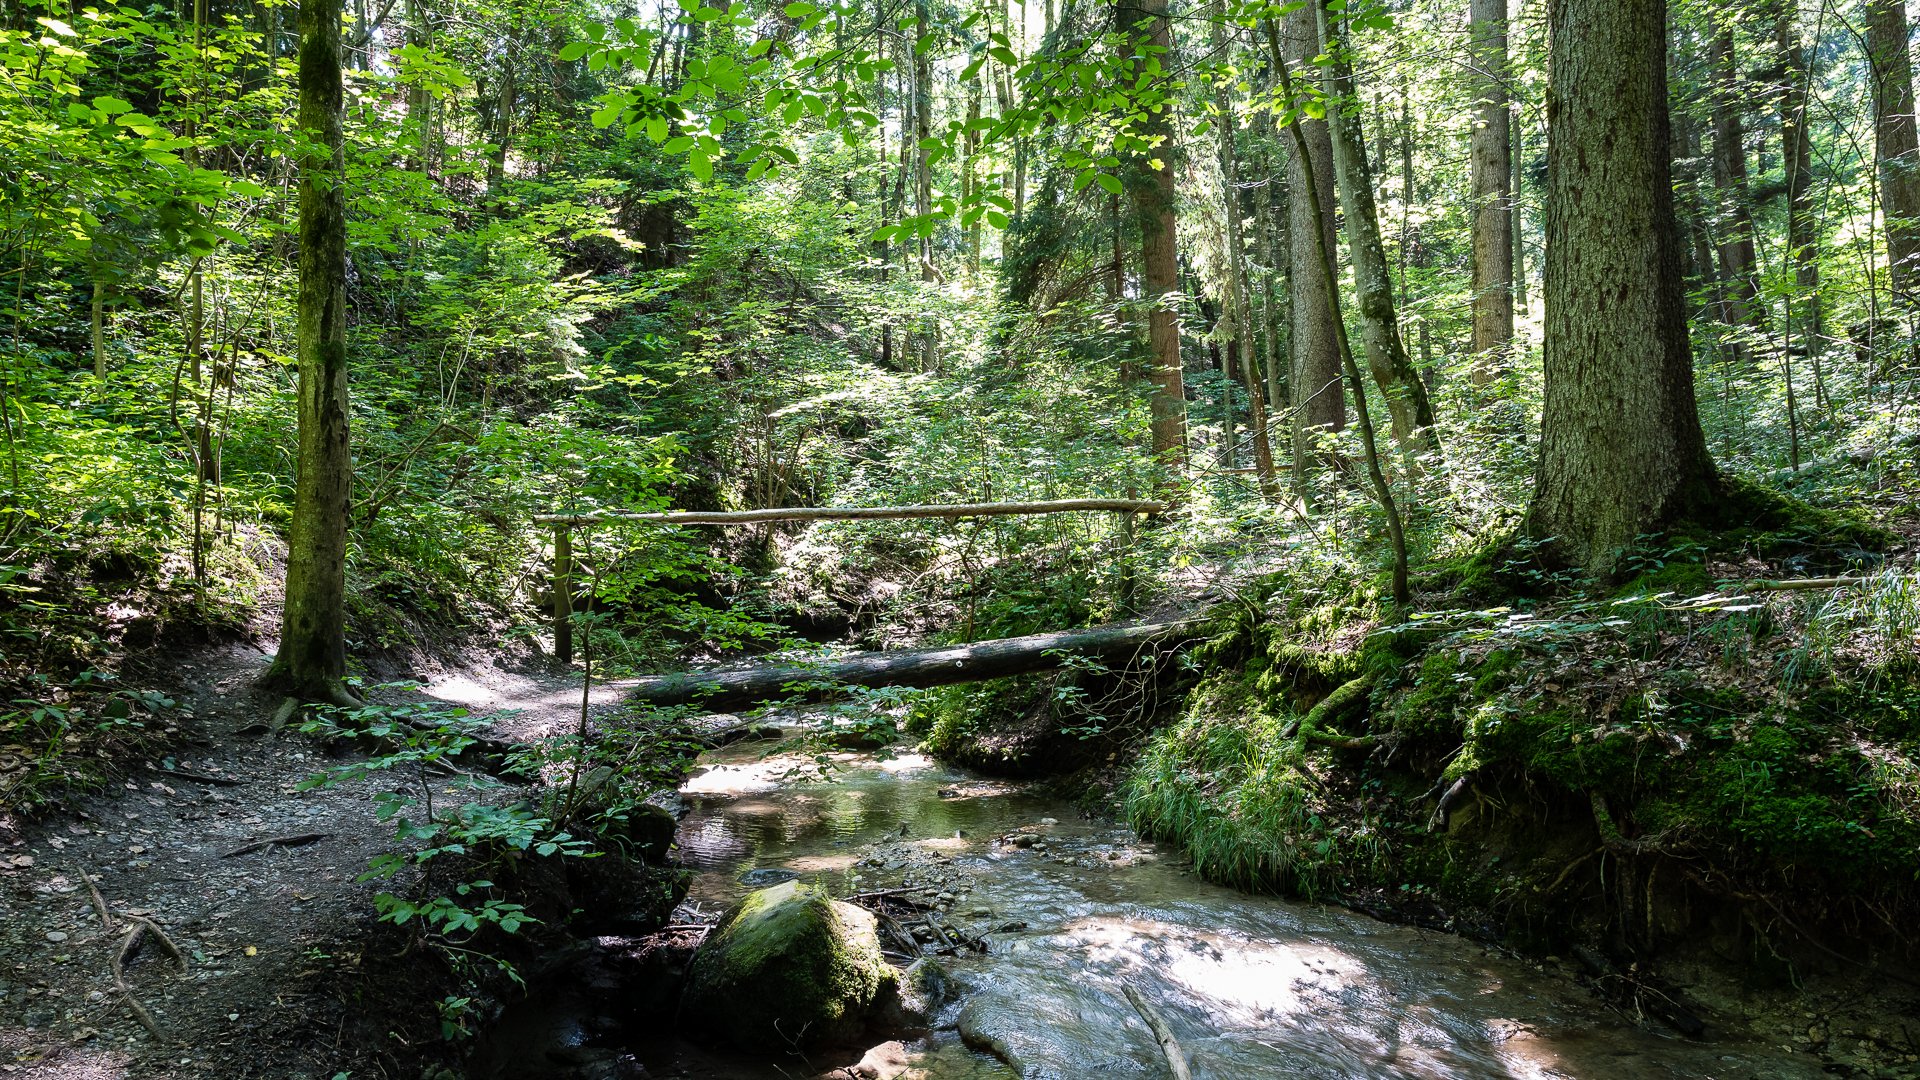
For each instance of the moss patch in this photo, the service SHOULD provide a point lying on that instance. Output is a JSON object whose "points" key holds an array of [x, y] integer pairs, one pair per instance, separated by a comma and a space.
{"points": [[787, 965]]}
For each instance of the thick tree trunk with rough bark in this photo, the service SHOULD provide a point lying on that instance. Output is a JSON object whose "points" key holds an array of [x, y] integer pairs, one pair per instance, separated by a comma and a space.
{"points": [[1621, 450], [1392, 370], [1491, 166], [312, 658], [1896, 143], [1319, 403], [1145, 23]]}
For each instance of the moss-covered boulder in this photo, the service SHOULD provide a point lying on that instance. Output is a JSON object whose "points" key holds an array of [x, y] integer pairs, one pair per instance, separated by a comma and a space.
{"points": [[787, 966]]}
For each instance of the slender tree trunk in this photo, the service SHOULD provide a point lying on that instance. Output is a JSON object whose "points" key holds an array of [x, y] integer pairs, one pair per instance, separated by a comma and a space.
{"points": [[967, 181], [1896, 143], [1491, 165], [929, 337], [1240, 294], [1796, 145], [1145, 24], [1738, 263], [312, 659], [1319, 403], [99, 328], [503, 124], [1517, 223], [1393, 371], [1324, 260], [1272, 338], [1621, 450]]}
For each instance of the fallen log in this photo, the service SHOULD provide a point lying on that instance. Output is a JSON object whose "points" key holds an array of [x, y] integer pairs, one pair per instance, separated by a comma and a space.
{"points": [[856, 513], [736, 688]]}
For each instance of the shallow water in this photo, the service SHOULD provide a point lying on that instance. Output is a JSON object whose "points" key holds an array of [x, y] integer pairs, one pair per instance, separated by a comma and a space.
{"points": [[1252, 986]]}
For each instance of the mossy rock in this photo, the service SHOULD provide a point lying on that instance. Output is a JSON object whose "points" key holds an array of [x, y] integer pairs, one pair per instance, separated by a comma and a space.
{"points": [[788, 966]]}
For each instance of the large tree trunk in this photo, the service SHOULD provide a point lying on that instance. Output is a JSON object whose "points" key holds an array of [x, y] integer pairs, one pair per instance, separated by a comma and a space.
{"points": [[1145, 24], [1621, 451], [737, 688], [1896, 143], [1738, 262], [312, 658], [1491, 165], [1319, 403], [1393, 372]]}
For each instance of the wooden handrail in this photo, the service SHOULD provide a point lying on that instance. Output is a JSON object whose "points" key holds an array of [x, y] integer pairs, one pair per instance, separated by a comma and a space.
{"points": [[855, 513]]}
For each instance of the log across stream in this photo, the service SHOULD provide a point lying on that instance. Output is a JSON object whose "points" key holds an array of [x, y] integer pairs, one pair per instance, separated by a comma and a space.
{"points": [[1075, 911], [740, 687]]}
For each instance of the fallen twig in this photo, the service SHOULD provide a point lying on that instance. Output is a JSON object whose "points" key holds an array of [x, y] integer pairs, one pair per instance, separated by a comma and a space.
{"points": [[199, 778], [1169, 1046], [296, 840]]}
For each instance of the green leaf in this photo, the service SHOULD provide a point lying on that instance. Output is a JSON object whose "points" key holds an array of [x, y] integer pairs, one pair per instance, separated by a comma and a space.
{"points": [[1108, 181], [997, 219], [112, 106], [800, 9], [679, 144], [700, 165], [574, 50]]}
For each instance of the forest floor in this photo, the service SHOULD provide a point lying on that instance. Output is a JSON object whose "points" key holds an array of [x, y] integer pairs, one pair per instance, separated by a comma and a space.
{"points": [[275, 977]]}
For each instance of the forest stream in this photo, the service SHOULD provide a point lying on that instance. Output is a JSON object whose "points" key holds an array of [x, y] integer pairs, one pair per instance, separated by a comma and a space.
{"points": [[1074, 909]]}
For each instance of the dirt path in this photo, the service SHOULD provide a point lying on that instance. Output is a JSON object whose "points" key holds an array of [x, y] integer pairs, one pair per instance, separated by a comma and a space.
{"points": [[277, 980]]}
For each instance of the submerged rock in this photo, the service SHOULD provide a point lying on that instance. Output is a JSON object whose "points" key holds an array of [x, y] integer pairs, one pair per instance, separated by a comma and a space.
{"points": [[787, 966]]}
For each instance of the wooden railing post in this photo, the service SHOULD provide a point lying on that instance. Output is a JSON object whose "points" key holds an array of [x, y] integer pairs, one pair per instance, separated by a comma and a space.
{"points": [[563, 592]]}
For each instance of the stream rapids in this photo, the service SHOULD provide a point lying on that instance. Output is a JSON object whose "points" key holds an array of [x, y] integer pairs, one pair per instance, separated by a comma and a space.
{"points": [[1073, 910]]}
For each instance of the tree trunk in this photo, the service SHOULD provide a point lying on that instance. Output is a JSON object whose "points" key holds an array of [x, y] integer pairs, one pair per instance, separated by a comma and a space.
{"points": [[1240, 294], [1896, 144], [738, 688], [1393, 372], [312, 659], [1144, 23], [1319, 404], [1491, 165], [99, 328], [1738, 262], [503, 124], [1797, 152], [1516, 225], [1621, 450]]}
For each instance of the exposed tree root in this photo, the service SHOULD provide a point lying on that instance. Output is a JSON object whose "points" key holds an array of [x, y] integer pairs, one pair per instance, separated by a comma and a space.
{"points": [[1610, 833]]}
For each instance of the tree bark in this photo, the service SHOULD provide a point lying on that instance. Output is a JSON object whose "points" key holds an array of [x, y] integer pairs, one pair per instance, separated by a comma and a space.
{"points": [[99, 328], [1621, 447], [1240, 294], [1796, 145], [1319, 403], [1407, 404], [1145, 25], [1491, 166], [1896, 143], [312, 658], [741, 687], [1738, 261]]}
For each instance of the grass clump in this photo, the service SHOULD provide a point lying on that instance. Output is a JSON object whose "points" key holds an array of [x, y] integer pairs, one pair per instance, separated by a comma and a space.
{"points": [[1228, 782]]}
